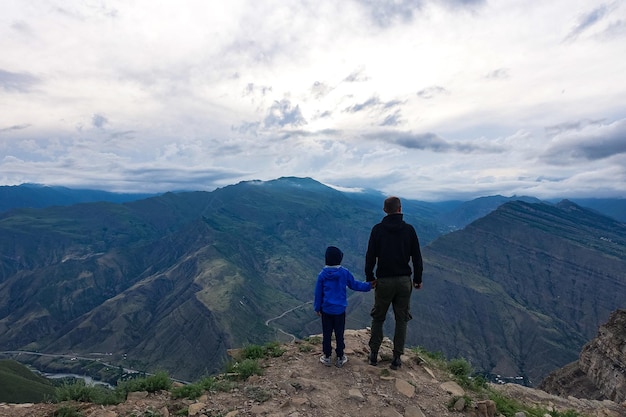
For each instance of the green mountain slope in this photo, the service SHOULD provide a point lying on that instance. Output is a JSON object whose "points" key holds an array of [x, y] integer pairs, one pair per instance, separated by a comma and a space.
{"points": [[19, 384], [172, 282], [521, 290]]}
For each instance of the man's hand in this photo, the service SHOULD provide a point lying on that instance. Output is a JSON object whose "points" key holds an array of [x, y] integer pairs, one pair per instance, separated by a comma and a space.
{"points": [[417, 286], [373, 283]]}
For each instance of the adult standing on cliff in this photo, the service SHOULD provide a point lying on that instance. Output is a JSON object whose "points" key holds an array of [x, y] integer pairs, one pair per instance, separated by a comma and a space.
{"points": [[393, 246]]}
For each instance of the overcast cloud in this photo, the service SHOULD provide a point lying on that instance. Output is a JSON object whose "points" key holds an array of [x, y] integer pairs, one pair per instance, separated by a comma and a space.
{"points": [[429, 100]]}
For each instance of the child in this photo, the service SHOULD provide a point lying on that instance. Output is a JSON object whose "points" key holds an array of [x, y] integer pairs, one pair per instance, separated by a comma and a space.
{"points": [[331, 302]]}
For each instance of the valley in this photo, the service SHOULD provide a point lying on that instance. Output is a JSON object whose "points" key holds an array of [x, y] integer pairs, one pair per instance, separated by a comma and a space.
{"points": [[175, 281]]}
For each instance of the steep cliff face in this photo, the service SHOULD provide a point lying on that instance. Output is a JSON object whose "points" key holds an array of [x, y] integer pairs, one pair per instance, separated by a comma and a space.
{"points": [[604, 358], [600, 372]]}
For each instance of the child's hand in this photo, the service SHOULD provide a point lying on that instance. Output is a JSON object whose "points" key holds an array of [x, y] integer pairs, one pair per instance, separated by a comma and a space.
{"points": [[373, 283], [319, 313]]}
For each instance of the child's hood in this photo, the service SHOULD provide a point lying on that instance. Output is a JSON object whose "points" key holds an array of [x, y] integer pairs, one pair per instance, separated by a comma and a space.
{"points": [[331, 272]]}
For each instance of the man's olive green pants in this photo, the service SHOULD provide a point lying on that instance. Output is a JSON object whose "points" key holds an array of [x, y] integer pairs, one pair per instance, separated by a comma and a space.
{"points": [[394, 291]]}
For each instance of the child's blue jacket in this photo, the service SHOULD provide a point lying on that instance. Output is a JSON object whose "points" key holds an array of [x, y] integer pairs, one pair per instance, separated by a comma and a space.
{"points": [[330, 289]]}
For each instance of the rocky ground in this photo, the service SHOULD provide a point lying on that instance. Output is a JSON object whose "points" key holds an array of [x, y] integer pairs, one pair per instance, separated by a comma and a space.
{"points": [[296, 384]]}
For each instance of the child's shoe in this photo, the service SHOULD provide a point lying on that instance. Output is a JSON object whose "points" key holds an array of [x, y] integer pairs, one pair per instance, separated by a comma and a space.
{"points": [[341, 361], [325, 360]]}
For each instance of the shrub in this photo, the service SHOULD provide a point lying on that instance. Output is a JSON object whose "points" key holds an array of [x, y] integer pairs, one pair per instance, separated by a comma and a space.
{"points": [[425, 354], [79, 391], [153, 383], [305, 347], [271, 349], [252, 352], [213, 384], [190, 391], [315, 340], [244, 369], [460, 368], [274, 350]]}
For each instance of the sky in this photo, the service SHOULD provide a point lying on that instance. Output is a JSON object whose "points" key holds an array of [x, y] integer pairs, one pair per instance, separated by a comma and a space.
{"points": [[428, 100]]}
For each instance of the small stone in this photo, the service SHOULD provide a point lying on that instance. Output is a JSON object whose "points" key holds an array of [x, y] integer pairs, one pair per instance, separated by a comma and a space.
{"points": [[459, 405], [453, 388], [137, 395], [355, 394], [195, 408], [413, 411], [299, 401], [405, 388], [390, 412]]}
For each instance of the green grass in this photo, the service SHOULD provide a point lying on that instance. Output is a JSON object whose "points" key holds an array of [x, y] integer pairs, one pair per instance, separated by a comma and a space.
{"points": [[269, 350], [81, 392], [244, 369], [21, 385], [160, 381], [209, 384], [463, 373]]}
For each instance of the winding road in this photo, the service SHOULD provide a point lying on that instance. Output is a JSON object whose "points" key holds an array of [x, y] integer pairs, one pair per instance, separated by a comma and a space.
{"points": [[292, 337]]}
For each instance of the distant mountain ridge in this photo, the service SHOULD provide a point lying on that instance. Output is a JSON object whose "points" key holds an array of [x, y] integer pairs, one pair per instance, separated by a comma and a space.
{"points": [[39, 196], [525, 278], [172, 281]]}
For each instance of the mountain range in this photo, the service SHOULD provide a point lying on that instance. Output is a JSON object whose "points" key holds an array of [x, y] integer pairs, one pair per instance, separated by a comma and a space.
{"points": [[515, 285]]}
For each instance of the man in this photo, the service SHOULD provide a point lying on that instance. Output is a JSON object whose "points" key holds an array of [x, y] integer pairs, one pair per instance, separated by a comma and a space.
{"points": [[393, 245]]}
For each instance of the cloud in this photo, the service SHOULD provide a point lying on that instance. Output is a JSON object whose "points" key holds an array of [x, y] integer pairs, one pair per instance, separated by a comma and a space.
{"points": [[357, 76], [498, 74], [587, 141], [382, 93], [393, 119], [282, 114], [98, 120], [20, 82], [252, 90], [15, 127], [587, 20], [373, 102], [432, 142], [431, 92], [320, 89], [385, 13]]}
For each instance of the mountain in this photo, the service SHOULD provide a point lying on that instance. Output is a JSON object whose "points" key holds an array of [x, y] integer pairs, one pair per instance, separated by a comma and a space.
{"points": [[612, 207], [38, 196], [521, 290], [171, 282], [20, 384], [203, 270], [600, 371], [466, 212]]}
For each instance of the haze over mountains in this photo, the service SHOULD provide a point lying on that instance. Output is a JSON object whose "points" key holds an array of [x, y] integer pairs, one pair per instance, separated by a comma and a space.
{"points": [[172, 281]]}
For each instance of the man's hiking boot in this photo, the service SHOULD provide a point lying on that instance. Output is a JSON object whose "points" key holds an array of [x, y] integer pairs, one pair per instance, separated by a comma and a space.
{"points": [[341, 360], [373, 358], [396, 363], [325, 360]]}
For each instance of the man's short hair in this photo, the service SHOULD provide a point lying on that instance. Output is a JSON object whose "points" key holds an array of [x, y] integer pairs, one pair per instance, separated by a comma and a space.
{"points": [[392, 205]]}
